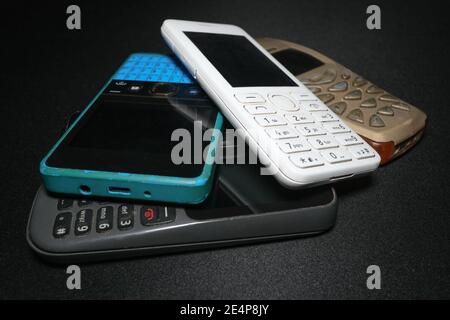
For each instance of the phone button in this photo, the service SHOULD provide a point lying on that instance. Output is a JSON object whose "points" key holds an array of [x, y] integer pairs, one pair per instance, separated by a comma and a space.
{"points": [[258, 109], [303, 96], [323, 142], [249, 98], [125, 216], [64, 204], [354, 95], [388, 97], [294, 145], [83, 203], [270, 120], [348, 139], [326, 97], [386, 111], [401, 106], [62, 223], [324, 116], [313, 106], [310, 130], [356, 115], [369, 103], [373, 89], [338, 87], [104, 219], [361, 152], [282, 102], [149, 215], [338, 107], [336, 127], [282, 133], [167, 214], [306, 159], [359, 82], [83, 222], [336, 156], [376, 122], [299, 118]]}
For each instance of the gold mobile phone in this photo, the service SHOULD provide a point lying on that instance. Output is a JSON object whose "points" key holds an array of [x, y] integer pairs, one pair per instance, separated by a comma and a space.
{"points": [[390, 125]]}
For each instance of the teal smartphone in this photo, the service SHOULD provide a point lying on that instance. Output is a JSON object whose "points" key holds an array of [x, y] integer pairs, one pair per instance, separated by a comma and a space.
{"points": [[122, 145]]}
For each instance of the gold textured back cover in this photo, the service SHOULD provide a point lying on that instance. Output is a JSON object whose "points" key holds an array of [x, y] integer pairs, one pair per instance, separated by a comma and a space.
{"points": [[389, 124]]}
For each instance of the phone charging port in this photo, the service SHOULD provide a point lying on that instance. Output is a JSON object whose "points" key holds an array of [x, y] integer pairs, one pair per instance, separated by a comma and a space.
{"points": [[119, 191], [345, 176]]}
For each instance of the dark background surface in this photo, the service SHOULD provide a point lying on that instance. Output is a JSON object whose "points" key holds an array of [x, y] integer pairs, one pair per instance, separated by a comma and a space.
{"points": [[398, 220]]}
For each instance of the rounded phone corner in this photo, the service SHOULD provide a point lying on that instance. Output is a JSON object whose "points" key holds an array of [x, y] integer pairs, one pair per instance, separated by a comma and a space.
{"points": [[43, 168], [47, 256], [201, 188], [201, 197], [46, 171]]}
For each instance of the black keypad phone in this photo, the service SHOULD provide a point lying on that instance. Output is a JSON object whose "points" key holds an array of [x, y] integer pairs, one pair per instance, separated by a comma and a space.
{"points": [[68, 230]]}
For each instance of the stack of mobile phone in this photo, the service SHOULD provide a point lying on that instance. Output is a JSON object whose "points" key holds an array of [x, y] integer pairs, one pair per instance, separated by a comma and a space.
{"points": [[90, 209], [135, 173]]}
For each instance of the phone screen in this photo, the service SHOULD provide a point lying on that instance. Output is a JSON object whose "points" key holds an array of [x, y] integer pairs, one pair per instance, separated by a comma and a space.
{"points": [[296, 62], [239, 61], [242, 190], [129, 127]]}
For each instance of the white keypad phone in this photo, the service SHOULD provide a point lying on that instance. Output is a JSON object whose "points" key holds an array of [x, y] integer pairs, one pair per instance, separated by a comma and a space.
{"points": [[293, 132]]}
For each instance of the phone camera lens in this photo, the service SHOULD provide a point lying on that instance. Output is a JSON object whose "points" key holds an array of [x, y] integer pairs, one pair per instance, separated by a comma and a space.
{"points": [[164, 89]]}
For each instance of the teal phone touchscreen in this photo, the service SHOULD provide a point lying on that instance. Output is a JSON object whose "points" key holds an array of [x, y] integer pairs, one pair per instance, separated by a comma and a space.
{"points": [[123, 144]]}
